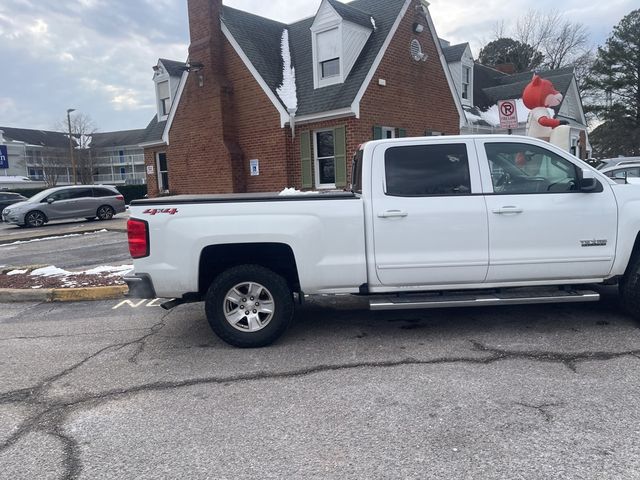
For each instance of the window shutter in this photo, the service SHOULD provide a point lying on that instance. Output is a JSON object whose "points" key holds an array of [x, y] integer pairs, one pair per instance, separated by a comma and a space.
{"points": [[402, 132], [377, 133], [305, 156], [340, 152]]}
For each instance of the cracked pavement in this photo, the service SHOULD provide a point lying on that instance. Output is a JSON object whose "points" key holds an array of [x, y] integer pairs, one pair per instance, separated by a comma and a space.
{"points": [[88, 391]]}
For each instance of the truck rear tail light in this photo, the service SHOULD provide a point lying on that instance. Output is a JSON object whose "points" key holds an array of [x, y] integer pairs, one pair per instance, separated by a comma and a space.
{"points": [[138, 233], [120, 197]]}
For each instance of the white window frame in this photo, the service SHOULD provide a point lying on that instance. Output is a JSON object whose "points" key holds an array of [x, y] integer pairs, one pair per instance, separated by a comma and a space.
{"points": [[316, 160], [161, 187], [158, 80], [466, 82], [318, 81], [386, 130]]}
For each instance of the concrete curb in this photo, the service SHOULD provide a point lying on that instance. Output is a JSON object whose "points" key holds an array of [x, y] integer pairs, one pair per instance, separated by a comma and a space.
{"points": [[14, 295]]}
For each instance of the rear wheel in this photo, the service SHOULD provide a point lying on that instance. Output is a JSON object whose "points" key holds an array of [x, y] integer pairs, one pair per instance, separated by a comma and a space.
{"points": [[630, 287], [105, 212], [249, 306], [35, 219]]}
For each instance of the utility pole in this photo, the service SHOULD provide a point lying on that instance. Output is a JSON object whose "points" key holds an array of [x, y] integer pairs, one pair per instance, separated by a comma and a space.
{"points": [[73, 158]]}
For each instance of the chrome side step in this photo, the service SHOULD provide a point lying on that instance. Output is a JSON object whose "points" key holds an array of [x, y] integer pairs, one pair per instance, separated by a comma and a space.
{"points": [[481, 299]]}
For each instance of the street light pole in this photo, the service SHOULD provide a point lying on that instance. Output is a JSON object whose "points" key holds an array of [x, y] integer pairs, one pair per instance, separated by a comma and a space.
{"points": [[73, 158]]}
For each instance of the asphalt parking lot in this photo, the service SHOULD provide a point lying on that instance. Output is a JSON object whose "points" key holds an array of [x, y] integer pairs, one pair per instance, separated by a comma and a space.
{"points": [[128, 390], [65, 244]]}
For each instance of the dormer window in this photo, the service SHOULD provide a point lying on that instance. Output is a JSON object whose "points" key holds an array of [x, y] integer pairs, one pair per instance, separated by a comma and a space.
{"points": [[330, 68], [328, 49], [339, 33], [164, 97]]}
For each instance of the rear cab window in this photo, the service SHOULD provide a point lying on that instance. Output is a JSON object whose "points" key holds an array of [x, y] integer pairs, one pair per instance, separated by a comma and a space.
{"points": [[427, 170]]}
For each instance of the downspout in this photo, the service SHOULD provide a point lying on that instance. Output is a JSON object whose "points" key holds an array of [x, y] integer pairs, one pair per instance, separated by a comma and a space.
{"points": [[292, 121]]}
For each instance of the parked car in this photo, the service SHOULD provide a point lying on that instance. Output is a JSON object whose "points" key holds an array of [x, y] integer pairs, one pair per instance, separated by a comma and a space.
{"points": [[59, 203], [430, 222], [612, 162], [9, 198], [622, 171]]}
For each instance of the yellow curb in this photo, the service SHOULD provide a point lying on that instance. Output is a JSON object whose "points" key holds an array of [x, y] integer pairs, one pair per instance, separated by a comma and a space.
{"points": [[89, 293]]}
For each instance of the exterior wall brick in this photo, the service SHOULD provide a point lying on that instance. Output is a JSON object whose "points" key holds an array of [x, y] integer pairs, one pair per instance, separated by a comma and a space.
{"points": [[220, 126]]}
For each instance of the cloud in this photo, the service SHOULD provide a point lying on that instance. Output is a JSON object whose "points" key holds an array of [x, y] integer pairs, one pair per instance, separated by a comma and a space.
{"points": [[96, 55]]}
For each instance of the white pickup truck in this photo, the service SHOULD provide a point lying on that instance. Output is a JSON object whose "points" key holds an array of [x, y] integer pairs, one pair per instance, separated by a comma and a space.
{"points": [[429, 222]]}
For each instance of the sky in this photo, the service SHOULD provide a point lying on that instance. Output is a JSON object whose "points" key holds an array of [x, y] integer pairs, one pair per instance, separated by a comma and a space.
{"points": [[96, 56]]}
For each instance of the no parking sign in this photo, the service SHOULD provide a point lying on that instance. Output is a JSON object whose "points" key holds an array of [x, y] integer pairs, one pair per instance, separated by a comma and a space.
{"points": [[508, 114]]}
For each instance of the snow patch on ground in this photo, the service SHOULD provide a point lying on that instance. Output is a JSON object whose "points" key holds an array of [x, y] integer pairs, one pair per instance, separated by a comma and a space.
{"points": [[51, 270], [17, 272], [20, 242], [293, 191], [287, 91]]}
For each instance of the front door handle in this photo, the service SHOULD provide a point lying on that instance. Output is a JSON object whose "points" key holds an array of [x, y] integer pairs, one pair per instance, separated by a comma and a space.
{"points": [[393, 214], [508, 210]]}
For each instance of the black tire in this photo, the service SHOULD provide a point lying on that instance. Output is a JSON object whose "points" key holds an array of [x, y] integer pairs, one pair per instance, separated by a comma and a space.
{"points": [[629, 287], [217, 302], [35, 219], [105, 212]]}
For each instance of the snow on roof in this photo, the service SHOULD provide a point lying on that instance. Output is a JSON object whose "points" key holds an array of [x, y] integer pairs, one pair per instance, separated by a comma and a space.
{"points": [[287, 91], [492, 116]]}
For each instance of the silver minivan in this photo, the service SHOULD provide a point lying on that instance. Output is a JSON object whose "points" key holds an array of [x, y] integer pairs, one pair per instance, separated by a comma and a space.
{"points": [[88, 201]]}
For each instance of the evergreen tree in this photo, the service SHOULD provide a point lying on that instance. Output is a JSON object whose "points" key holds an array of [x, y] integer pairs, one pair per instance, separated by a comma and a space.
{"points": [[614, 83]]}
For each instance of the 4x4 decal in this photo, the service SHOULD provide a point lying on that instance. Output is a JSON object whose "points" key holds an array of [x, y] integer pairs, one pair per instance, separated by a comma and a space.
{"points": [[156, 211]]}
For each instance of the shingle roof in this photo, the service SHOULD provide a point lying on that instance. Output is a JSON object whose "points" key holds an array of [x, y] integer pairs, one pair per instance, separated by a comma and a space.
{"points": [[118, 139], [154, 131], [41, 138], [260, 40], [352, 14], [174, 68], [454, 52]]}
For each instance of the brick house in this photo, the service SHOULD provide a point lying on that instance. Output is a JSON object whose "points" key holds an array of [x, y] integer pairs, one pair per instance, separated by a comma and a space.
{"points": [[261, 105]]}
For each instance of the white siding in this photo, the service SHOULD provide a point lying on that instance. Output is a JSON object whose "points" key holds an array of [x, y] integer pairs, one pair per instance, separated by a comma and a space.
{"points": [[354, 38], [326, 16], [571, 104]]}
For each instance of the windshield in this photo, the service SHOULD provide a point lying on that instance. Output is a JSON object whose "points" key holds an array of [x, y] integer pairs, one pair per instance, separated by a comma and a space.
{"points": [[38, 197]]}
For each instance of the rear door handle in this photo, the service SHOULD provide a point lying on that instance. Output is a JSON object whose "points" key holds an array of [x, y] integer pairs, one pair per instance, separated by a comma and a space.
{"points": [[508, 210], [393, 214]]}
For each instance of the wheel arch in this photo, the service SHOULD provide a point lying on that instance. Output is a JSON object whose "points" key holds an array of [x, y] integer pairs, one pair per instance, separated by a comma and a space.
{"points": [[635, 252], [277, 257]]}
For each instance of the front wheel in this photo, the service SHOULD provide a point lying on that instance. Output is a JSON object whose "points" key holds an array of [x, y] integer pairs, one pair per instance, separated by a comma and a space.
{"points": [[249, 306], [35, 219]]}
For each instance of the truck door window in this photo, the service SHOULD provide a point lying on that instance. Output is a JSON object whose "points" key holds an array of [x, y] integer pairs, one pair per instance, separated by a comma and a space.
{"points": [[518, 168], [426, 170]]}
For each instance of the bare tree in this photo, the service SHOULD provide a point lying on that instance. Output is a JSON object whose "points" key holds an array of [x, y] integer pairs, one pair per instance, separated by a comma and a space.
{"points": [[54, 164], [82, 129], [562, 42]]}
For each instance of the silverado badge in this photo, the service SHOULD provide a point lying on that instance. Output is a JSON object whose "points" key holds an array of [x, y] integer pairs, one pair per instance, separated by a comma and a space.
{"points": [[593, 243]]}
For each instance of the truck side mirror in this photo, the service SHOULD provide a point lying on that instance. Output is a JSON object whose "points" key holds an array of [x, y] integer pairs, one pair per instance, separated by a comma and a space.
{"points": [[588, 181]]}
